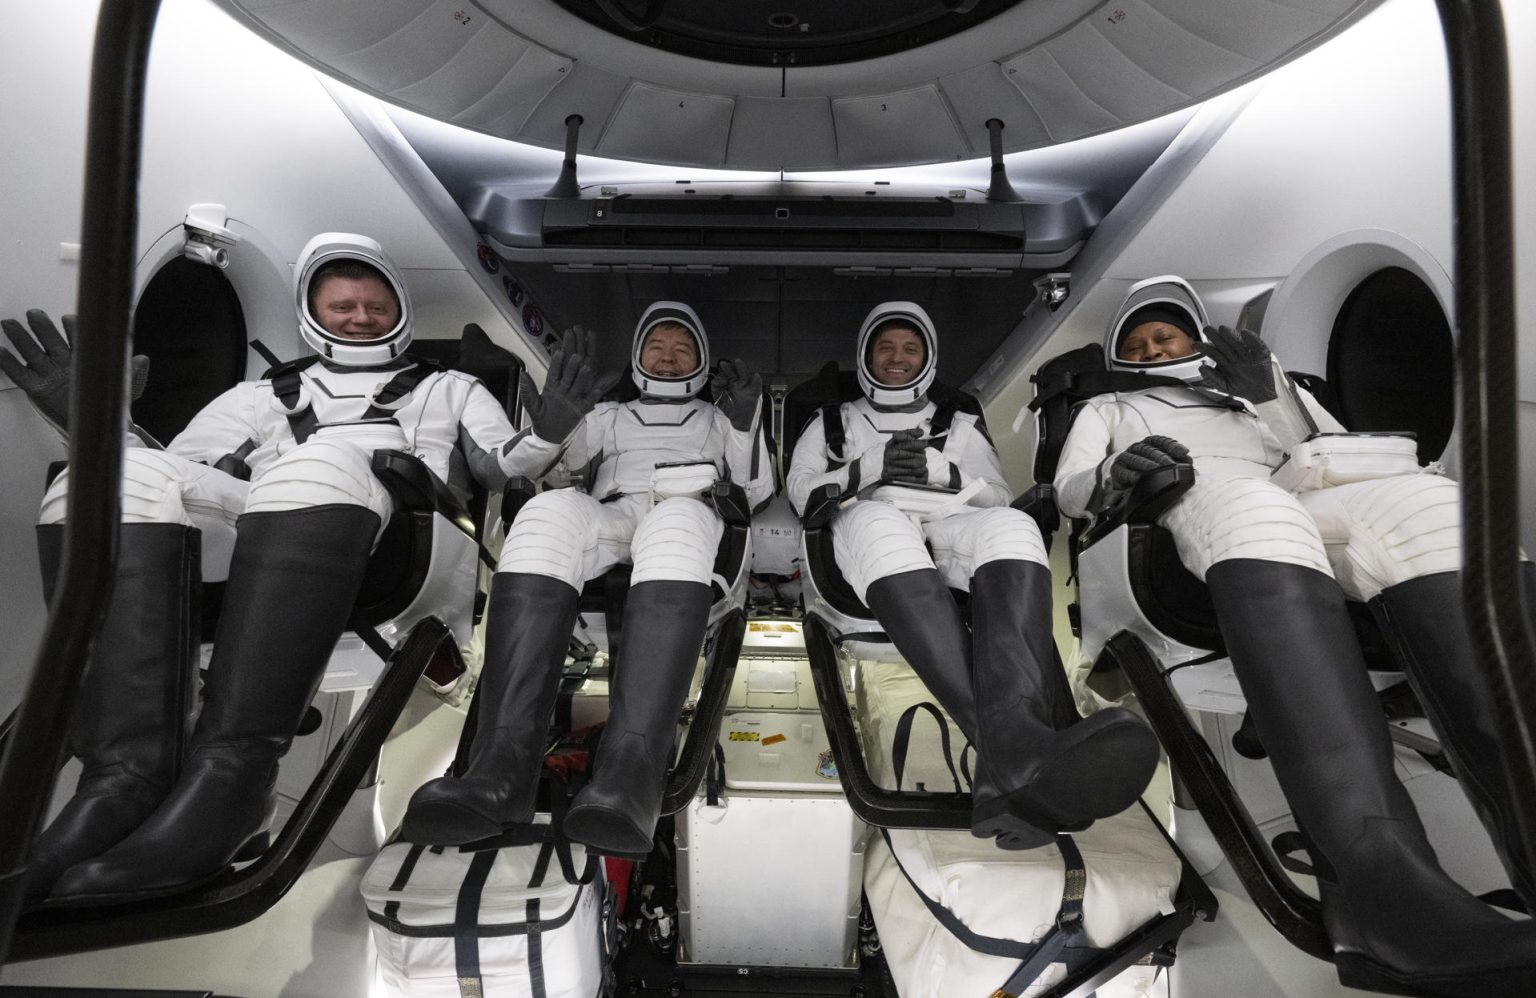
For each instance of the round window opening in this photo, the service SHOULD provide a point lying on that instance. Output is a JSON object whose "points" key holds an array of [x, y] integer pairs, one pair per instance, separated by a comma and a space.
{"points": [[1392, 360], [190, 325]]}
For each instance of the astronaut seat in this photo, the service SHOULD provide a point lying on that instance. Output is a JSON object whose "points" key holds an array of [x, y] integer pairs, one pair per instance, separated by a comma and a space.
{"points": [[1148, 624]]}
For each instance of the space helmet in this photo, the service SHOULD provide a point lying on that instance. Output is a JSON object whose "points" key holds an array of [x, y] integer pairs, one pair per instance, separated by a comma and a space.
{"points": [[1167, 299], [329, 247], [909, 314], [657, 386]]}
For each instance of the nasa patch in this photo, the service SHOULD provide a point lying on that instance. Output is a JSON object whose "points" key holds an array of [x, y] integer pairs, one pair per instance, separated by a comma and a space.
{"points": [[533, 320], [514, 291]]}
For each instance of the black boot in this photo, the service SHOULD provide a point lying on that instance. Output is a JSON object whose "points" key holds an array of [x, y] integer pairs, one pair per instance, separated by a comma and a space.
{"points": [[1398, 923], [616, 813], [1031, 779], [131, 717], [528, 629], [293, 580], [1424, 620], [1037, 761]]}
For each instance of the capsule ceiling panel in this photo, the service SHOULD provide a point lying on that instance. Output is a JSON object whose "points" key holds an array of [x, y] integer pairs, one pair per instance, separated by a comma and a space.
{"points": [[793, 85]]}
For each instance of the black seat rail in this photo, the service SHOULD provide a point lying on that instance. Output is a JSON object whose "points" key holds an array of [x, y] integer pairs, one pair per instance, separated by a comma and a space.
{"points": [[236, 897]]}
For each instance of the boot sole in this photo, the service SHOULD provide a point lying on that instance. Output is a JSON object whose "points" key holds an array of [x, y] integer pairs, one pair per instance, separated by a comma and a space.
{"points": [[444, 823], [1356, 971], [607, 832], [1098, 775]]}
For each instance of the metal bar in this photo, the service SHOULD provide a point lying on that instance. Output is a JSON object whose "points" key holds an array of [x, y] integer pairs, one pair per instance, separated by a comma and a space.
{"points": [[237, 897], [1486, 341], [704, 732], [1294, 914], [97, 421], [870, 801]]}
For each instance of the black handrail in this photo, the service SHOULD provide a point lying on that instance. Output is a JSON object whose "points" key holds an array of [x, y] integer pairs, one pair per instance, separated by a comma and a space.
{"points": [[870, 801], [238, 897], [1297, 916], [98, 405], [1486, 341], [704, 731]]}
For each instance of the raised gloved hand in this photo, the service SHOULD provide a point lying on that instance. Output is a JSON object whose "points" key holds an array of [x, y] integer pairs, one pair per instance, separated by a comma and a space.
{"points": [[1142, 458], [42, 371], [571, 389], [1239, 364], [737, 394]]}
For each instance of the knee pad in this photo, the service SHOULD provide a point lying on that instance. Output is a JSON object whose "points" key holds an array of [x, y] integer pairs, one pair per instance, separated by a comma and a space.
{"points": [[1003, 534], [551, 536], [152, 490], [1401, 528], [872, 540], [676, 541], [319, 472], [1224, 518]]}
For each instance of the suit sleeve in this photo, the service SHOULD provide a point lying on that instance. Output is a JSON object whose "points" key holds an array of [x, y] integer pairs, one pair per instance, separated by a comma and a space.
{"points": [[1085, 458], [224, 427]]}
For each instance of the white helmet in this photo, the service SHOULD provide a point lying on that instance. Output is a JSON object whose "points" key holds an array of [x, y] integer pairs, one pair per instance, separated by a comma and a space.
{"points": [[330, 247], [908, 314], [1167, 299], [657, 386]]}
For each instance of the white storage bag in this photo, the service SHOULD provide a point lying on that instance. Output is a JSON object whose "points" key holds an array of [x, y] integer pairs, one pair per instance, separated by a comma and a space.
{"points": [[499, 923]]}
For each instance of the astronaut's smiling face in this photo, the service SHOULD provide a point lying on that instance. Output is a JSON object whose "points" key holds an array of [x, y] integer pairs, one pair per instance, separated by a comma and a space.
{"points": [[669, 351], [897, 355], [355, 308], [1151, 342]]}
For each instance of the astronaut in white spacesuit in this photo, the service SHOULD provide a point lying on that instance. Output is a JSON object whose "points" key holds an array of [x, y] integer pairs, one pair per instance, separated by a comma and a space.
{"points": [[995, 680], [1279, 566], [648, 464], [153, 812]]}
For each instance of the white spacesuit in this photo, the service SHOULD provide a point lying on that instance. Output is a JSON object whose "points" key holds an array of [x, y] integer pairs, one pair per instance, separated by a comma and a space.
{"points": [[293, 543], [1279, 566], [648, 463], [1032, 780]]}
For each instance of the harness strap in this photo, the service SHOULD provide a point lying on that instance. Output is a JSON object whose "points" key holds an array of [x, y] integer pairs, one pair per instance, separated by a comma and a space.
{"points": [[832, 431], [390, 397]]}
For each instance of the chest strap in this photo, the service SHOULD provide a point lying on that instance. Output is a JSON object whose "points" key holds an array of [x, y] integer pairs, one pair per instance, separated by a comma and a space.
{"points": [[288, 385]]}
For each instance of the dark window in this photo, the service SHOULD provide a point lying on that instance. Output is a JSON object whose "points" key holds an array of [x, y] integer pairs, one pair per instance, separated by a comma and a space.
{"points": [[1391, 360], [190, 325]]}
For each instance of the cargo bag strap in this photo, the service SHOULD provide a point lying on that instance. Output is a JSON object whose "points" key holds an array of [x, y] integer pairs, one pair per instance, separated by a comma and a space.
{"points": [[466, 919], [903, 736], [1065, 943]]}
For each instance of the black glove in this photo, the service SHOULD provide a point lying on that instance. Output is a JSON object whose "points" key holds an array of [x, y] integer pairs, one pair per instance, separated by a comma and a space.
{"points": [[735, 393], [42, 371], [1241, 362], [1144, 457], [571, 389], [905, 458]]}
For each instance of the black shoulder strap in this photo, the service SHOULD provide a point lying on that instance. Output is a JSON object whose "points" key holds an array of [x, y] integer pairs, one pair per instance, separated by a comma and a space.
{"points": [[287, 382], [836, 436], [386, 399]]}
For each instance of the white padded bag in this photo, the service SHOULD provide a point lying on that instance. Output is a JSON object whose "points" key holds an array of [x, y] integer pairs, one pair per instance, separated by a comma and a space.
{"points": [[441, 931]]}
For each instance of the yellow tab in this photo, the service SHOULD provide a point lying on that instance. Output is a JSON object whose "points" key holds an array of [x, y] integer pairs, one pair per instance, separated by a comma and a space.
{"points": [[773, 739]]}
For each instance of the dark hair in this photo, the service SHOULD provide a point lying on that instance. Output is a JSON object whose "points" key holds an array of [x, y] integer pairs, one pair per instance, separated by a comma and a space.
{"points": [[885, 326], [348, 269]]}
